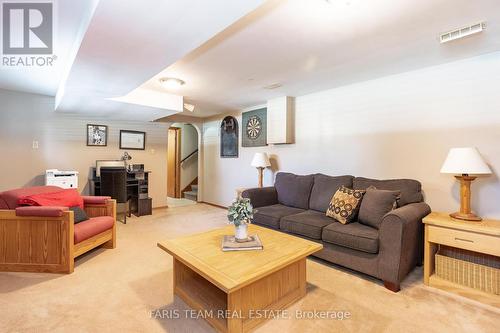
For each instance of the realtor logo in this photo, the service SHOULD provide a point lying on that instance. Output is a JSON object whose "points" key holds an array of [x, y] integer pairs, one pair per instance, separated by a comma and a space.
{"points": [[27, 28]]}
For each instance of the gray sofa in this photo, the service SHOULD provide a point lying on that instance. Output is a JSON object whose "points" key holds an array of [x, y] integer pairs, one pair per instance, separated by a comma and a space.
{"points": [[387, 251]]}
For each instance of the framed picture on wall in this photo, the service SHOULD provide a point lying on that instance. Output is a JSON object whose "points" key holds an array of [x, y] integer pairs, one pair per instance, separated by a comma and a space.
{"points": [[97, 135], [254, 128], [229, 137], [132, 140]]}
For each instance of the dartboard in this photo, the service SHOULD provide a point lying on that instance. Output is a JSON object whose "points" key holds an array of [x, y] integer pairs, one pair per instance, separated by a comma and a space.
{"points": [[254, 127]]}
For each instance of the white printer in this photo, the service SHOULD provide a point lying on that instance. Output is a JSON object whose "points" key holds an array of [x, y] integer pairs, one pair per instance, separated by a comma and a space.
{"points": [[64, 179]]}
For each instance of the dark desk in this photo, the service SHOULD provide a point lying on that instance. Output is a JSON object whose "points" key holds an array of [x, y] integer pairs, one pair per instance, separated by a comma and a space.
{"points": [[137, 190]]}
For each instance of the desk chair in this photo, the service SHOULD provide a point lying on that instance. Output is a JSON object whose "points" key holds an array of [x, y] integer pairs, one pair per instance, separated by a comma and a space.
{"points": [[114, 184]]}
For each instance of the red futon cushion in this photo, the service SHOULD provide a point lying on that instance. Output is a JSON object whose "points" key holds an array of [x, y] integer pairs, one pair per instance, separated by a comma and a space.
{"points": [[65, 198], [9, 199], [87, 229]]}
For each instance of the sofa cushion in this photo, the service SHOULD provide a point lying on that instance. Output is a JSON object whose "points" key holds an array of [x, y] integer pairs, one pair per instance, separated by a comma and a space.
{"points": [[376, 203], [324, 188], [270, 216], [344, 205], [355, 236], [293, 190], [92, 227], [411, 190], [309, 223], [8, 199]]}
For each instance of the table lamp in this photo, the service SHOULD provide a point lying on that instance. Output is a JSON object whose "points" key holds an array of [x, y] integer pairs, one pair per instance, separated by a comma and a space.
{"points": [[126, 157], [260, 161], [464, 162]]}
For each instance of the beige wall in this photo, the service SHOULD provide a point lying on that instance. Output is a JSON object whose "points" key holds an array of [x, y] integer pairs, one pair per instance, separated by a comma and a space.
{"points": [[397, 126], [62, 144]]}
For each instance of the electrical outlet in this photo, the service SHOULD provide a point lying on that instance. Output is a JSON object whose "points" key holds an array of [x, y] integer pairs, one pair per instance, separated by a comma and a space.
{"points": [[35, 144]]}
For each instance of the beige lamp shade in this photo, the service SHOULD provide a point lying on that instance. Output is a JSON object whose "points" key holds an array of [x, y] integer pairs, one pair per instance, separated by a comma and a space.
{"points": [[260, 160], [465, 161]]}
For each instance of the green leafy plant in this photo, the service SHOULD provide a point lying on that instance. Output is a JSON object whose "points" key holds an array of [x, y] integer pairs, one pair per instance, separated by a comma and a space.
{"points": [[240, 212]]}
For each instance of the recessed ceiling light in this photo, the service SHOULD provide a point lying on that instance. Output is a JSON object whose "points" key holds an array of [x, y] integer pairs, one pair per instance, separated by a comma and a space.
{"points": [[347, 3], [171, 82], [273, 86]]}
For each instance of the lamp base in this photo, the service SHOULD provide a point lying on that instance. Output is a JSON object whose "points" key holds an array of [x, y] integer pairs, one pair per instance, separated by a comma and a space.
{"points": [[261, 176], [466, 217]]}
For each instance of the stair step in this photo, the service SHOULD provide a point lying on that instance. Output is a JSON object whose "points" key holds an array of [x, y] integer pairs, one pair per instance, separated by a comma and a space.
{"points": [[191, 195]]}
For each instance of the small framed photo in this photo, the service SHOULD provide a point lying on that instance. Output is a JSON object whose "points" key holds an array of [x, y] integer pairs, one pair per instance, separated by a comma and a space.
{"points": [[97, 135], [132, 140]]}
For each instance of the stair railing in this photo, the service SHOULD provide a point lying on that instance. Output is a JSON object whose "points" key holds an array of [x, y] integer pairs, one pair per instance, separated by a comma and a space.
{"points": [[185, 158]]}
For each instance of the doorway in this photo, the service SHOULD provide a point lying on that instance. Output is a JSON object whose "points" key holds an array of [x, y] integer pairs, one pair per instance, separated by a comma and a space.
{"points": [[182, 164], [173, 162]]}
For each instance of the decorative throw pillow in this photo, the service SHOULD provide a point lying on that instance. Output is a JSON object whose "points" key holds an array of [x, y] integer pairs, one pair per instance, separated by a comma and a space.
{"points": [[79, 214], [345, 204], [376, 203]]}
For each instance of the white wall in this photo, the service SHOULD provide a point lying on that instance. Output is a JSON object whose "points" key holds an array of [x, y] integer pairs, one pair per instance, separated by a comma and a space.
{"points": [[397, 126], [62, 144], [189, 143]]}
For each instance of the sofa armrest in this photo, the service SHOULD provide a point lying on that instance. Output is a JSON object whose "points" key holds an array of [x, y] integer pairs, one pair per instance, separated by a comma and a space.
{"points": [[50, 245], [259, 197], [401, 241], [41, 211], [95, 200], [107, 208]]}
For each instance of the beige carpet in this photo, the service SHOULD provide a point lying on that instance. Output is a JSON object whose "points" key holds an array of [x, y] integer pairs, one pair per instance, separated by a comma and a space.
{"points": [[179, 202], [116, 290]]}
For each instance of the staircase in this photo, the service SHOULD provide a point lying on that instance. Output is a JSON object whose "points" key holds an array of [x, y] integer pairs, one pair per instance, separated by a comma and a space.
{"points": [[193, 194], [191, 191]]}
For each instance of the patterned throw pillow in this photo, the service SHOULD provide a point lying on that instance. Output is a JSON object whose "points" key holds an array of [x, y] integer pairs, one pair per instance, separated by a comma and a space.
{"points": [[345, 204]]}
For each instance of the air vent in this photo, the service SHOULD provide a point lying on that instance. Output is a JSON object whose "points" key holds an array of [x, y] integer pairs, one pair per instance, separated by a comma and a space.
{"points": [[273, 86], [462, 32]]}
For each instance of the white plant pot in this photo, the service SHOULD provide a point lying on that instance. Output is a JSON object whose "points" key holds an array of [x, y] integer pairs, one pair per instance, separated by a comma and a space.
{"points": [[241, 232]]}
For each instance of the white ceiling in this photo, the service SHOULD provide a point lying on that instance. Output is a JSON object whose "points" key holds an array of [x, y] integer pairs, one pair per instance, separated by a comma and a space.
{"points": [[111, 53], [72, 17], [107, 48], [128, 42], [314, 45]]}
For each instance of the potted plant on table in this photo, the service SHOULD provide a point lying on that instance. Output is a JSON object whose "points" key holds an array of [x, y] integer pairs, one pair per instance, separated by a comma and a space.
{"points": [[240, 213]]}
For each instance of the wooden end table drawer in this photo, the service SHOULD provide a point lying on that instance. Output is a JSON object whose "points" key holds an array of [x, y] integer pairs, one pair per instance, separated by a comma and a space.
{"points": [[464, 240]]}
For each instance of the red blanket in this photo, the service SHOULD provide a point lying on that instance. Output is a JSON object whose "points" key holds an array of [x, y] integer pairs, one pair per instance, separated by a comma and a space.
{"points": [[65, 198]]}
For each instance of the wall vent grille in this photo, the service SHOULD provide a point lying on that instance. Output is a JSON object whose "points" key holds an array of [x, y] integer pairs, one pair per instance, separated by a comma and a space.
{"points": [[462, 32]]}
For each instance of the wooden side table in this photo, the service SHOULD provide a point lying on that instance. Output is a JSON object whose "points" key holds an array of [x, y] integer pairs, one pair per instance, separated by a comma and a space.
{"points": [[480, 237]]}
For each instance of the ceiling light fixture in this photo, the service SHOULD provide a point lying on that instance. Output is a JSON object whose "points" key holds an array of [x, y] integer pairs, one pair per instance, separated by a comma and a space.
{"points": [[171, 82], [189, 107], [273, 86], [347, 3]]}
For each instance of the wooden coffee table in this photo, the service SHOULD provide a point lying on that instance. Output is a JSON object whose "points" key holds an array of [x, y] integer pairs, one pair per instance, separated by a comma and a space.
{"points": [[234, 289]]}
